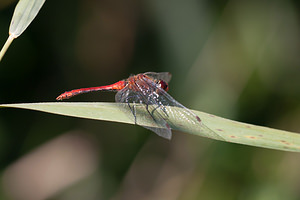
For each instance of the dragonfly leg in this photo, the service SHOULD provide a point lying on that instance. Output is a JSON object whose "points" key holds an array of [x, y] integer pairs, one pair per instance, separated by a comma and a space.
{"points": [[151, 114], [133, 111], [163, 108]]}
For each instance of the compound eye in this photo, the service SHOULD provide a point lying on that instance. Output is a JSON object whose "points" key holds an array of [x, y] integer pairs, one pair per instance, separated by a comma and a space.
{"points": [[163, 85]]}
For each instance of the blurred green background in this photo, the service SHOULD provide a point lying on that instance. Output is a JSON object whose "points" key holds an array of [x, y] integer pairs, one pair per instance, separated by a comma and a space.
{"points": [[235, 59]]}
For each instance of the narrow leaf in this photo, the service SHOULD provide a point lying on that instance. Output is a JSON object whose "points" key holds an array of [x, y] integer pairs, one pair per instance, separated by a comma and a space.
{"points": [[229, 130], [24, 13]]}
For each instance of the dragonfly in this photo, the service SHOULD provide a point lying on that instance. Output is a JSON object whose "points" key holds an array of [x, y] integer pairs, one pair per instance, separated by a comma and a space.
{"points": [[144, 98]]}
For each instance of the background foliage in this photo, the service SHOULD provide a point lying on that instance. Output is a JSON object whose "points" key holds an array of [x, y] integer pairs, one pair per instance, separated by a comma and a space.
{"points": [[236, 59]]}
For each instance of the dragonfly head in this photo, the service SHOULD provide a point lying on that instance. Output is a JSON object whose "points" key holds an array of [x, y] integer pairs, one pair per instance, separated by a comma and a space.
{"points": [[163, 85]]}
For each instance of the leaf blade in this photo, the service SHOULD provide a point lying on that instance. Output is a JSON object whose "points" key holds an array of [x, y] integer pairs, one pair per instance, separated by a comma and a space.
{"points": [[232, 131], [25, 12]]}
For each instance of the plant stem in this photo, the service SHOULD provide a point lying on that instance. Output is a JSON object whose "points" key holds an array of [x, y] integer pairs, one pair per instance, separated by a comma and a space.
{"points": [[6, 45]]}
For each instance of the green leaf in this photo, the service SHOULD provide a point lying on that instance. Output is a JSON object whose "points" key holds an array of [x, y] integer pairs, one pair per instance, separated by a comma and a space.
{"points": [[229, 130], [24, 13]]}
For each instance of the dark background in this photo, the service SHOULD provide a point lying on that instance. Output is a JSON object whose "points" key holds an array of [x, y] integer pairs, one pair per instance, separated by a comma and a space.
{"points": [[235, 59]]}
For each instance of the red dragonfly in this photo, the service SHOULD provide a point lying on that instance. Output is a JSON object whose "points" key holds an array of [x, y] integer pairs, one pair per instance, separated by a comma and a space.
{"points": [[144, 98]]}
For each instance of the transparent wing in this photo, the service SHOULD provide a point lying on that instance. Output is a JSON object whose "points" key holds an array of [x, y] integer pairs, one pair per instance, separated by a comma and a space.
{"points": [[152, 104], [173, 112], [165, 76], [134, 103]]}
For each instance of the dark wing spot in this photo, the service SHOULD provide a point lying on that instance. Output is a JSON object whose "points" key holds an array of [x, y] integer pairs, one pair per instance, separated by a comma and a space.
{"points": [[168, 126], [198, 119]]}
